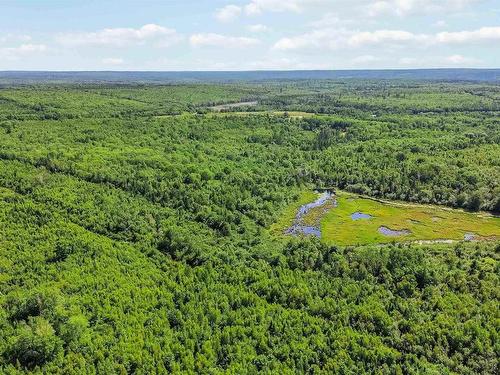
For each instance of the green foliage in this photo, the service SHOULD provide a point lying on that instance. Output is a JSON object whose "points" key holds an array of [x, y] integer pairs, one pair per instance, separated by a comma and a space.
{"points": [[33, 343], [134, 229]]}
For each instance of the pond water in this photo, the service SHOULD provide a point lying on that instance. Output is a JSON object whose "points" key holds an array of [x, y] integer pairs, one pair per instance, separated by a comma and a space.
{"points": [[313, 231], [360, 215], [298, 226], [323, 198], [469, 236], [393, 233]]}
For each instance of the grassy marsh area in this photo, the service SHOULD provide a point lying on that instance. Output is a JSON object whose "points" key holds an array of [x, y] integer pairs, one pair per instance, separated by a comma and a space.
{"points": [[422, 222]]}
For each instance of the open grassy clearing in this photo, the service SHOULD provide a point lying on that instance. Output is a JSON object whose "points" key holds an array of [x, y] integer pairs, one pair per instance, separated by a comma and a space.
{"points": [[415, 222], [291, 114], [216, 114]]}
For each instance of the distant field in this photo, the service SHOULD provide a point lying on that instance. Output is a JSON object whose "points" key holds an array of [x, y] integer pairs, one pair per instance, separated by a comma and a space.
{"points": [[291, 114], [401, 222]]}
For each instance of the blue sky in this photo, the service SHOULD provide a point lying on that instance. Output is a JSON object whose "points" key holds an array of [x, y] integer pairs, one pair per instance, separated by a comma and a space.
{"points": [[248, 34]]}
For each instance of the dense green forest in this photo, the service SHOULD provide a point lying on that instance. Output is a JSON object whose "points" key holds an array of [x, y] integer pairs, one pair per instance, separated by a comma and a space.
{"points": [[134, 228]]}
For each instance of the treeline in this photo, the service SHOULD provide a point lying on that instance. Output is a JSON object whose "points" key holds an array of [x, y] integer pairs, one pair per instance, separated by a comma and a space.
{"points": [[46, 102], [374, 98]]}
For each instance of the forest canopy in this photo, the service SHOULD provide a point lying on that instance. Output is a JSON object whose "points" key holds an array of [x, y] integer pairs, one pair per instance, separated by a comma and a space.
{"points": [[134, 228]]}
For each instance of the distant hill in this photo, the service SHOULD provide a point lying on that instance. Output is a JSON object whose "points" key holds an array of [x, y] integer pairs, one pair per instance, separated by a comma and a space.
{"points": [[20, 77]]}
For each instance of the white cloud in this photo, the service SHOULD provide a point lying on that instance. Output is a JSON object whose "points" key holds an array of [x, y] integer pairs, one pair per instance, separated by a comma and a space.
{"points": [[14, 53], [371, 8], [10, 37], [317, 39], [255, 7], [224, 41], [259, 6], [120, 37], [411, 7], [462, 60], [379, 7], [385, 36], [112, 61], [269, 63], [285, 64], [407, 61], [331, 19], [440, 23], [335, 38], [228, 13], [258, 28], [480, 35], [303, 41], [436, 61], [364, 59]]}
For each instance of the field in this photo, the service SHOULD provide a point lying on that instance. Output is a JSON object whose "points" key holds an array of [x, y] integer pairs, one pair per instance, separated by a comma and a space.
{"points": [[141, 232], [424, 222]]}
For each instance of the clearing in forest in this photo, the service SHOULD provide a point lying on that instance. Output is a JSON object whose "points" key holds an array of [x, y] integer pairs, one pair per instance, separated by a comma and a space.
{"points": [[349, 219]]}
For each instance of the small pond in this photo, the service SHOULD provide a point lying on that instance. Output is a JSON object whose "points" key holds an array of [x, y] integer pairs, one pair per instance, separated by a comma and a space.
{"points": [[360, 215], [313, 231], [323, 198], [392, 232], [469, 236]]}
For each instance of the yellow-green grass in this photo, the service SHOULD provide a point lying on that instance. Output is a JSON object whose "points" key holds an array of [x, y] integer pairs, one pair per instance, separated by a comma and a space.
{"points": [[426, 222], [291, 114], [296, 114]]}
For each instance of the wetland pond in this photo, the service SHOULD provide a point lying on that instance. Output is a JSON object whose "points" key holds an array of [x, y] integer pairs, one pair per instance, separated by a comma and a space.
{"points": [[360, 215], [392, 232], [348, 219]]}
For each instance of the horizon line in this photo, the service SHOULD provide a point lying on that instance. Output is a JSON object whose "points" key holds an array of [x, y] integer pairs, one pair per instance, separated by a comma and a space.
{"points": [[243, 71]]}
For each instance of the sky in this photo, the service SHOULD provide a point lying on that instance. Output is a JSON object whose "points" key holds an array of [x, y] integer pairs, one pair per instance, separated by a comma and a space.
{"points": [[179, 35]]}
